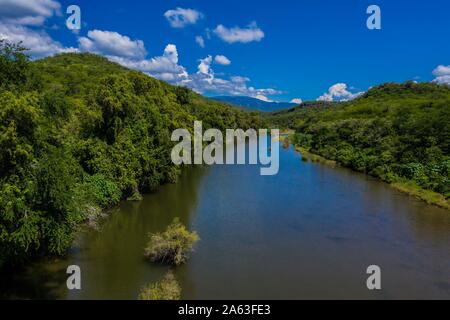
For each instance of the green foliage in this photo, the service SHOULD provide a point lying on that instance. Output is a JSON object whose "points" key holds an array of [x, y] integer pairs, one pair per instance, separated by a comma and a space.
{"points": [[135, 197], [184, 95], [172, 246], [79, 133], [105, 192], [13, 65], [394, 131], [293, 118], [166, 289]]}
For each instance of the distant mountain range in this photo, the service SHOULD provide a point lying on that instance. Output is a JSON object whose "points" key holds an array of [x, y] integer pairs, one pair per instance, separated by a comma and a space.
{"points": [[255, 104]]}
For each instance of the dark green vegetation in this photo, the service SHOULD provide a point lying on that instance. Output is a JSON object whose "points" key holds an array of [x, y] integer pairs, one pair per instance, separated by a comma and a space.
{"points": [[172, 246], [78, 134], [397, 132], [293, 117], [166, 289]]}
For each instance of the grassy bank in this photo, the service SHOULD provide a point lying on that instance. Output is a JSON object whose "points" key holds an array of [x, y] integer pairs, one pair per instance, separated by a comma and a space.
{"points": [[428, 196], [311, 157], [396, 132], [403, 185]]}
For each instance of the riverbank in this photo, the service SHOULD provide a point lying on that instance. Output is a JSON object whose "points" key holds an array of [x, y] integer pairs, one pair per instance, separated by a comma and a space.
{"points": [[324, 216], [428, 196], [403, 185], [308, 156]]}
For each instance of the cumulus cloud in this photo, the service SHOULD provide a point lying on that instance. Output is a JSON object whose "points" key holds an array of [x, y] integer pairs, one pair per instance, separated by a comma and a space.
{"points": [[442, 74], [220, 59], [297, 101], [442, 70], [244, 35], [205, 65], [18, 16], [164, 67], [131, 53], [205, 81], [263, 98], [443, 80], [18, 19], [26, 12], [39, 43], [339, 92], [180, 18], [112, 44], [200, 41]]}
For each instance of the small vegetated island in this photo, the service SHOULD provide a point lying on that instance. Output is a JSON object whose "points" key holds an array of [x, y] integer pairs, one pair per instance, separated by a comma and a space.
{"points": [[166, 289], [171, 247], [397, 132]]}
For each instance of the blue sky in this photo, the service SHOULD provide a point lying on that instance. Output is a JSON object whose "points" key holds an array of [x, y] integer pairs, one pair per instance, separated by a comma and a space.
{"points": [[274, 50]]}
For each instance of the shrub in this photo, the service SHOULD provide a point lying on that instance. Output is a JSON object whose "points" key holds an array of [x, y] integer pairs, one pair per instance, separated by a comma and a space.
{"points": [[166, 289], [13, 64], [136, 196], [105, 192], [171, 246]]}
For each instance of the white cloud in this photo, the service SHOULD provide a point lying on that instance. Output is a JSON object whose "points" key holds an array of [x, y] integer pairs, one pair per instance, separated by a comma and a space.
{"points": [[339, 92], [205, 65], [39, 43], [18, 16], [200, 41], [132, 54], [206, 81], [180, 18], [442, 70], [442, 74], [263, 98], [266, 92], [220, 59], [238, 79], [112, 44], [28, 12], [297, 101], [443, 80], [163, 67], [244, 35], [171, 53]]}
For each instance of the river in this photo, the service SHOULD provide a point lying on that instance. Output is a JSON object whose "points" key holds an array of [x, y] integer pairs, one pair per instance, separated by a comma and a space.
{"points": [[309, 232]]}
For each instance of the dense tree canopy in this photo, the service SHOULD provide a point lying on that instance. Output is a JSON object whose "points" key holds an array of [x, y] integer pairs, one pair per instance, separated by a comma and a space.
{"points": [[394, 131], [78, 134]]}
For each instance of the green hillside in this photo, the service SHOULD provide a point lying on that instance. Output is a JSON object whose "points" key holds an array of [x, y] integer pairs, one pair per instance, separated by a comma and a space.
{"points": [[77, 135], [397, 132]]}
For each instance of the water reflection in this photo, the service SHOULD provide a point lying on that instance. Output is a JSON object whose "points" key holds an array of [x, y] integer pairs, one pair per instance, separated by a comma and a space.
{"points": [[309, 232]]}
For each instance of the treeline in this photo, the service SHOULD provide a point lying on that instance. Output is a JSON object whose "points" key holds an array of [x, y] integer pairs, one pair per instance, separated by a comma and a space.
{"points": [[77, 135], [397, 132]]}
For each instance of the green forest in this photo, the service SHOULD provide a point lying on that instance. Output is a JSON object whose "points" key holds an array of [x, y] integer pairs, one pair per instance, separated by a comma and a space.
{"points": [[397, 132], [78, 134]]}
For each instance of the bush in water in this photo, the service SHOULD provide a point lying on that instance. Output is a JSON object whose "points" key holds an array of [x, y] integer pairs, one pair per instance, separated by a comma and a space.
{"points": [[171, 246], [166, 289]]}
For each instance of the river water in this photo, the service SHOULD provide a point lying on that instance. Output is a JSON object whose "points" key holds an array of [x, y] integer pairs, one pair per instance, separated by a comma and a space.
{"points": [[309, 232]]}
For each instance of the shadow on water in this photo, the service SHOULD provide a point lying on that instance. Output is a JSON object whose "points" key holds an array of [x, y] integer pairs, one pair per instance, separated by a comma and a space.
{"points": [[111, 257], [38, 281]]}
